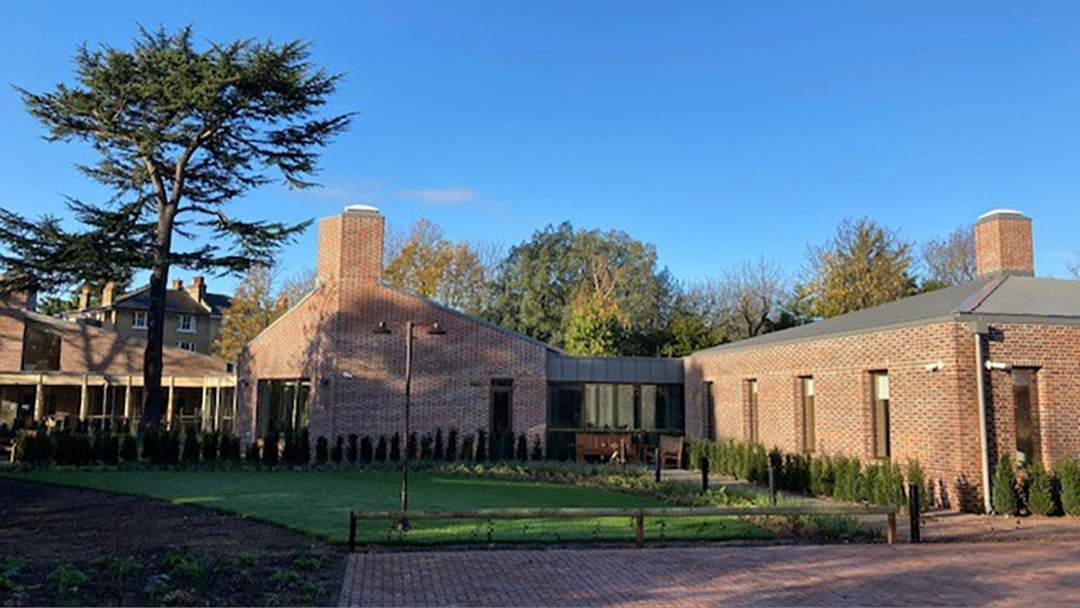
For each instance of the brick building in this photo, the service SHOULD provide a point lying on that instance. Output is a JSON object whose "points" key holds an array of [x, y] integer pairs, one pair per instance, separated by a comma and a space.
{"points": [[193, 316], [335, 362], [53, 370], [953, 378]]}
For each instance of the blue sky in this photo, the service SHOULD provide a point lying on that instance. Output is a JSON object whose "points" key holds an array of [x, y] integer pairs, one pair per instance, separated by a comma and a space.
{"points": [[719, 131]]}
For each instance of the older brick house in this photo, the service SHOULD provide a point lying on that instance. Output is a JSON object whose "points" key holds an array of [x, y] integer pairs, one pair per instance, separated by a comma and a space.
{"points": [[55, 370], [953, 378]]}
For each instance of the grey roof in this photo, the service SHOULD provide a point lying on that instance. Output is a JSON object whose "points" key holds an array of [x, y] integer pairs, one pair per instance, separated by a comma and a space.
{"points": [[1029, 298], [653, 370], [176, 301]]}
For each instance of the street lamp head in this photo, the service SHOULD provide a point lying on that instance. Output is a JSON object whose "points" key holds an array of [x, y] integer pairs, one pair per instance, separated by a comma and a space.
{"points": [[436, 329], [381, 329]]}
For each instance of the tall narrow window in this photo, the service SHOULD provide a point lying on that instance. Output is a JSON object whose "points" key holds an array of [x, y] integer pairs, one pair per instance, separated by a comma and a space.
{"points": [[880, 388], [1026, 404], [710, 411], [140, 320], [808, 420], [501, 407], [752, 407]]}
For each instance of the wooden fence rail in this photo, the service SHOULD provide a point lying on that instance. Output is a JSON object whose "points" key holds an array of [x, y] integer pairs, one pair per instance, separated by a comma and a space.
{"points": [[639, 515]]}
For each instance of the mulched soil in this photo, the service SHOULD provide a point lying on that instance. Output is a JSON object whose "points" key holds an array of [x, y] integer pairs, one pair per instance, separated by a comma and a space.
{"points": [[184, 555]]}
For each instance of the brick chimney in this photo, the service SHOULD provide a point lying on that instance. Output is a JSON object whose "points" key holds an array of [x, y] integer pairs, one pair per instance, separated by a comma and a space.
{"points": [[108, 294], [197, 289], [177, 285], [1003, 244], [84, 297], [351, 247]]}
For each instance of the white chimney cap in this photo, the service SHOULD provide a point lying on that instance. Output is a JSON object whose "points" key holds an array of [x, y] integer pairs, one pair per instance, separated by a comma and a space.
{"points": [[994, 212], [361, 209]]}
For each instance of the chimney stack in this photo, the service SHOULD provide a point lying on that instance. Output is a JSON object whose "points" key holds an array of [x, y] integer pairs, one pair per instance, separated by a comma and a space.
{"points": [[84, 297], [108, 294], [351, 247], [177, 285], [1003, 244], [197, 289]]}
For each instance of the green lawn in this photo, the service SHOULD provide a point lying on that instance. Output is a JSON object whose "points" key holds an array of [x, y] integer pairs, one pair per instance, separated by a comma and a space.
{"points": [[318, 502]]}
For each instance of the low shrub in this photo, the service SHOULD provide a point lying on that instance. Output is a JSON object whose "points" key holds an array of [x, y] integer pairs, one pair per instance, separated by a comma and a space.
{"points": [[1068, 475], [822, 476], [522, 452], [538, 449], [1003, 492], [452, 445], [395, 448], [367, 451], [352, 451], [322, 450], [438, 449], [129, 448], [481, 446], [380, 450], [1040, 491], [337, 453], [426, 443]]}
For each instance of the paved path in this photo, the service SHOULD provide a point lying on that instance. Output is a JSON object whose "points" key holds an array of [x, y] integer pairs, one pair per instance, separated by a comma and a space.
{"points": [[987, 574]]}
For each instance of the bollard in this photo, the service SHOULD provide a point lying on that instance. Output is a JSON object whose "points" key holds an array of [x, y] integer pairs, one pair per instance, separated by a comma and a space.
{"points": [[639, 530], [704, 474], [915, 513], [352, 531], [772, 485], [659, 464]]}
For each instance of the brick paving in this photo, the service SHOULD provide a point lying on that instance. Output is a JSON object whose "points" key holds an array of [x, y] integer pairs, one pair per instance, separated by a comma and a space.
{"points": [[954, 574]]}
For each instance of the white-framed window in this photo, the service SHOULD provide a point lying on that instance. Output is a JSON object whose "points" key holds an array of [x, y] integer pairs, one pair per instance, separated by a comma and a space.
{"points": [[141, 320], [186, 346], [185, 323]]}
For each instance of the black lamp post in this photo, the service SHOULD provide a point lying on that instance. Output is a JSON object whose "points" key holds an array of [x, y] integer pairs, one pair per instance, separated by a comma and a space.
{"points": [[434, 330]]}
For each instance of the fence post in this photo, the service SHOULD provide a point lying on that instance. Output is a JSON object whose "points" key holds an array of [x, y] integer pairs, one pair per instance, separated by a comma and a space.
{"points": [[704, 474], [639, 530], [890, 529], [352, 531], [915, 512], [772, 485]]}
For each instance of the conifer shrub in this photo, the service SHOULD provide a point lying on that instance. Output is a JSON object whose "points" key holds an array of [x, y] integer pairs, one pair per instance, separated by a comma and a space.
{"points": [[129, 448], [426, 442], [916, 477], [395, 448], [253, 452], [481, 446], [322, 450], [1003, 493], [191, 446], [225, 447], [209, 447], [172, 448], [381, 450], [848, 479], [112, 449], [303, 447], [337, 453], [822, 476], [1040, 491], [352, 449], [468, 449], [452, 445], [438, 450], [1068, 475], [367, 451], [270, 455], [522, 452], [537, 449]]}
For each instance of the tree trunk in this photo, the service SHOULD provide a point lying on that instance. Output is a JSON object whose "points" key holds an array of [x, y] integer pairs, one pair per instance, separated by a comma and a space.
{"points": [[153, 359]]}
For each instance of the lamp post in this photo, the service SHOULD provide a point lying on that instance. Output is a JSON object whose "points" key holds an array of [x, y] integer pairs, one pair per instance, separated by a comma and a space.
{"points": [[434, 330]]}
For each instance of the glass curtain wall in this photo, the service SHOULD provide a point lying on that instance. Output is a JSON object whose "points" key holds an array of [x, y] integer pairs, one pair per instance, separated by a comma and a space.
{"points": [[645, 410]]}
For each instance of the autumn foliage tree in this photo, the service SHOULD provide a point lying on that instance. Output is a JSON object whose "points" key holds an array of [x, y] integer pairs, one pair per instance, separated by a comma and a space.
{"points": [[179, 132], [257, 303], [861, 266]]}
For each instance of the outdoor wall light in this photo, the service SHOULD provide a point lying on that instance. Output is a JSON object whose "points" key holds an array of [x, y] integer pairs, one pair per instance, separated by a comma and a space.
{"points": [[346, 375], [381, 328], [436, 330], [995, 365], [936, 366]]}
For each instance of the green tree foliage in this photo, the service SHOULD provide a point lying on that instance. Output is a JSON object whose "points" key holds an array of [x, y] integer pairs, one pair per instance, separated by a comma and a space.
{"points": [[1003, 489], [179, 132], [861, 266], [563, 277], [1040, 491], [1068, 474]]}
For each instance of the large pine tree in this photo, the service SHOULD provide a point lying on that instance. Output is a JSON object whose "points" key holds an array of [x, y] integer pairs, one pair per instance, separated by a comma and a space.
{"points": [[179, 132]]}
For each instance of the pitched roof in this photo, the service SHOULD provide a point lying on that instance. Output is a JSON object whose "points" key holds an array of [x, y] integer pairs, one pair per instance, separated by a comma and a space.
{"points": [[176, 301], [1029, 298]]}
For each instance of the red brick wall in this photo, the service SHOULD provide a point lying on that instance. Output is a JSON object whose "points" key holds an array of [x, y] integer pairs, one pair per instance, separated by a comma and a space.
{"points": [[1054, 351], [11, 335], [934, 415], [329, 337]]}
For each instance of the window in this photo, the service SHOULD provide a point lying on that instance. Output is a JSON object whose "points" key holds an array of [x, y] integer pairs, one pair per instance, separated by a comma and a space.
{"points": [[879, 386], [1025, 404], [806, 392], [141, 320], [41, 348], [186, 346], [654, 409], [752, 409], [185, 323], [284, 404], [710, 411], [502, 406]]}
